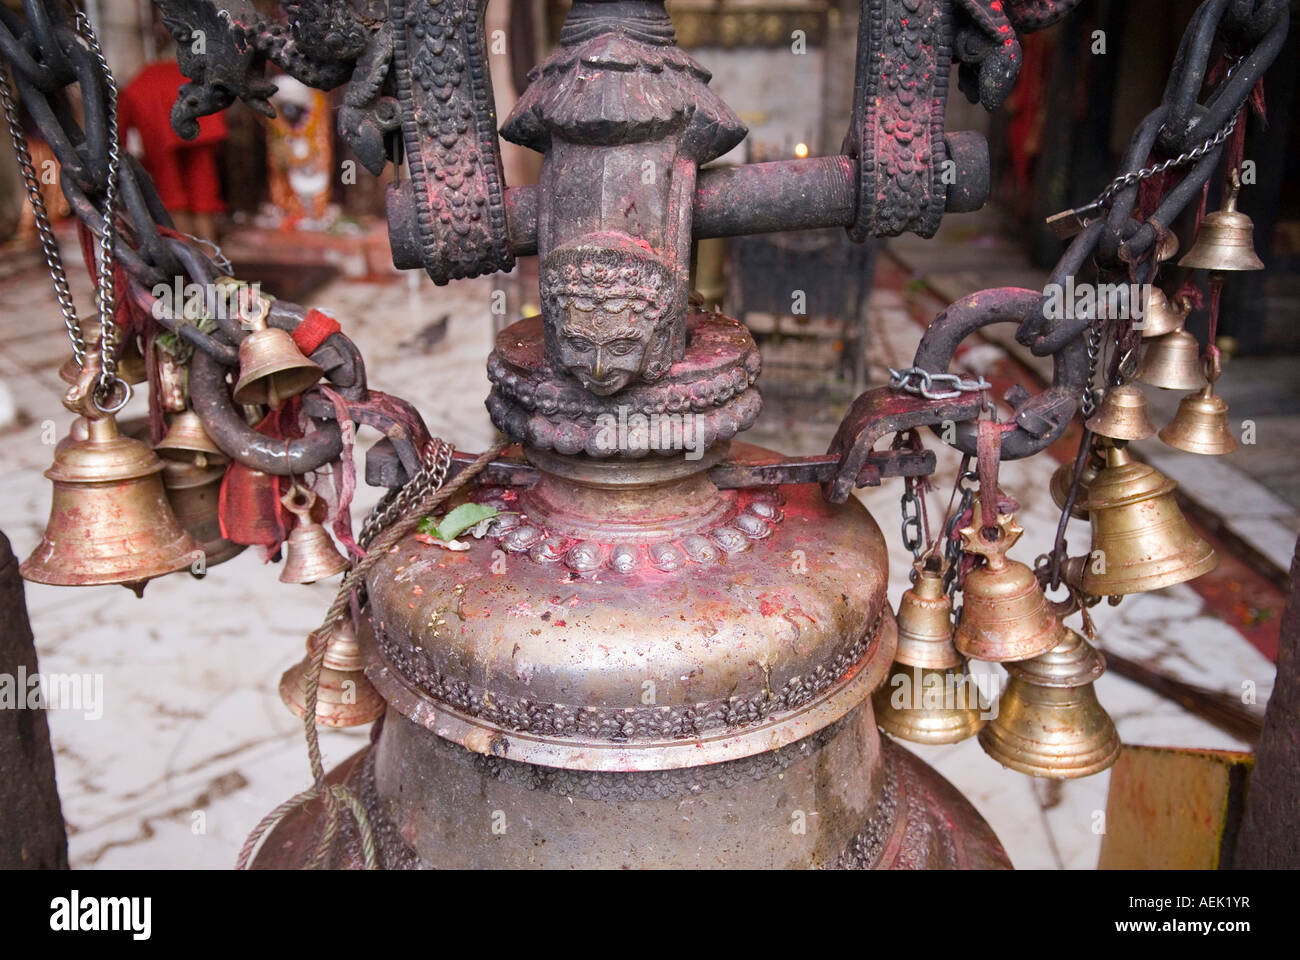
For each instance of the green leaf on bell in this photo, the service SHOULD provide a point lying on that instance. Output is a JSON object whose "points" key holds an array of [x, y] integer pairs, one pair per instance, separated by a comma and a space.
{"points": [[453, 524]]}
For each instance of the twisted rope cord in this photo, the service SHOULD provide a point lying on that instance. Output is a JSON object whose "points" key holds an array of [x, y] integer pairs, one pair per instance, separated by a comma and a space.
{"points": [[337, 796]]}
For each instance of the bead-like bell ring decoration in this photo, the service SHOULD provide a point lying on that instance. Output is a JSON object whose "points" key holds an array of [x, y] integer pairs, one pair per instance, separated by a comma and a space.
{"points": [[929, 697], [1049, 722], [309, 553], [1140, 539], [1122, 415], [344, 697], [271, 367], [1005, 616], [110, 521], [1201, 424], [1226, 238]]}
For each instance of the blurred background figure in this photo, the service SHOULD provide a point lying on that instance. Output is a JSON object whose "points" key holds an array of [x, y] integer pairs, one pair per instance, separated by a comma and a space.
{"points": [[186, 172]]}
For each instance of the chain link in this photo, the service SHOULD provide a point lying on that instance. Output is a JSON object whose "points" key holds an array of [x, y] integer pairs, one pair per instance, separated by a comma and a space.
{"points": [[49, 243], [921, 383], [106, 299], [398, 502], [952, 548], [1088, 402], [913, 535]]}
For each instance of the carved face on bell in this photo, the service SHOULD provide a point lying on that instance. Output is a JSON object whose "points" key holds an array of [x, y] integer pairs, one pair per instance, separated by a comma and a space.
{"points": [[605, 312], [602, 349]]}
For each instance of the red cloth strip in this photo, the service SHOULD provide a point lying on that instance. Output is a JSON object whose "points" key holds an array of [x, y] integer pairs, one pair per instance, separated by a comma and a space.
{"points": [[315, 328]]}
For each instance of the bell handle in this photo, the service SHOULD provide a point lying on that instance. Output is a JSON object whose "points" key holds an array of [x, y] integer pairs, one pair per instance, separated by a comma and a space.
{"points": [[298, 500]]}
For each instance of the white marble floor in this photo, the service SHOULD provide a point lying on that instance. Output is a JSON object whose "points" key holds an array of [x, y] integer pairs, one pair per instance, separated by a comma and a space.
{"points": [[194, 746]]}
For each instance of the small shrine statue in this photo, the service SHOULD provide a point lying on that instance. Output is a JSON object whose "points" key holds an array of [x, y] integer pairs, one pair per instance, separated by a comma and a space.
{"points": [[299, 158]]}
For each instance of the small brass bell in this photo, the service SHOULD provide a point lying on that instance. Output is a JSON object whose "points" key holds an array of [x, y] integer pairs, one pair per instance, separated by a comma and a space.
{"points": [[1122, 415], [186, 439], [1172, 362], [1063, 476], [310, 554], [1005, 615], [344, 697], [131, 366], [1140, 539], [271, 367], [926, 698], [194, 493], [1161, 316], [929, 705], [110, 521], [1201, 424], [1049, 722], [925, 623], [1226, 238]]}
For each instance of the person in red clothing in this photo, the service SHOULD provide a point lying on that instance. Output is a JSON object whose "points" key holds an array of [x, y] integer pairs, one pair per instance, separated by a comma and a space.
{"points": [[185, 172]]}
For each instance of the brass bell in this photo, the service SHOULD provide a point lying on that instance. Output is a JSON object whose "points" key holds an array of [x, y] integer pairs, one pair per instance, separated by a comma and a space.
{"points": [[310, 554], [194, 493], [1048, 722], [929, 704], [186, 439], [1140, 539], [1201, 424], [1063, 476], [1122, 415], [926, 699], [344, 697], [271, 367], [1160, 316], [131, 365], [925, 623], [1226, 238], [1004, 616], [1172, 362], [110, 521]]}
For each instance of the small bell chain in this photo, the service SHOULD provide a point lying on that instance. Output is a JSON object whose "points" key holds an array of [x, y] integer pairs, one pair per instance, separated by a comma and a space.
{"points": [[109, 382]]}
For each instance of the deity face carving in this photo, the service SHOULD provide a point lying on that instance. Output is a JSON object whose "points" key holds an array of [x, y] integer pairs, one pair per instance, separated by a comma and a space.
{"points": [[606, 310]]}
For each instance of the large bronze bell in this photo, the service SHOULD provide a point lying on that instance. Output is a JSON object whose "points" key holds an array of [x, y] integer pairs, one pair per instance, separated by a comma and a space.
{"points": [[271, 367], [194, 493], [1122, 415], [928, 697], [1172, 362], [344, 697], [1226, 238], [1049, 722], [1063, 476], [309, 553], [1004, 616], [1140, 539], [110, 521], [186, 439], [1160, 316]]}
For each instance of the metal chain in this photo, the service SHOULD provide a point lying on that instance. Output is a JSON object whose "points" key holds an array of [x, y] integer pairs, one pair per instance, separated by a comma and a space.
{"points": [[1088, 403], [398, 502], [952, 548], [907, 381], [1146, 173], [913, 536], [49, 243], [105, 295]]}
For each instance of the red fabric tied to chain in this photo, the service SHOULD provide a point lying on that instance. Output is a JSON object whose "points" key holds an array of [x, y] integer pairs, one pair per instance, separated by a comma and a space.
{"points": [[315, 328]]}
